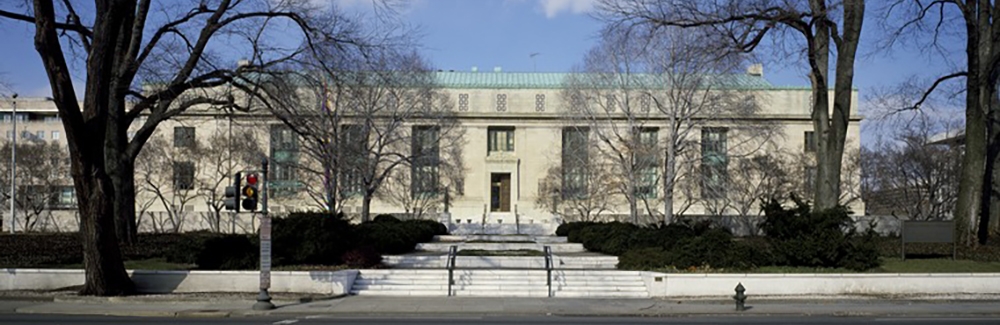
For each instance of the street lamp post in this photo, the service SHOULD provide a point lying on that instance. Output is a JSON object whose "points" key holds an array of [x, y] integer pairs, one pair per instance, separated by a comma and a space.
{"points": [[13, 167]]}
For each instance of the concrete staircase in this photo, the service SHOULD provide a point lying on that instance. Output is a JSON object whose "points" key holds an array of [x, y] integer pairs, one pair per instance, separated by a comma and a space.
{"points": [[501, 283], [440, 261]]}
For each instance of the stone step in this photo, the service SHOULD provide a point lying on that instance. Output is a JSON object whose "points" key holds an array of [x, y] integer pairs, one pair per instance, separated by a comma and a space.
{"points": [[501, 238], [556, 247], [493, 262]]}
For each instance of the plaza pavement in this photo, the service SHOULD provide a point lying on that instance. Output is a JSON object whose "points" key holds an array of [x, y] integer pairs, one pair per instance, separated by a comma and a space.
{"points": [[238, 305]]}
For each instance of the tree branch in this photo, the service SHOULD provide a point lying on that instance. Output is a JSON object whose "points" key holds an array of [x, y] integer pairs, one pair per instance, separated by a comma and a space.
{"points": [[927, 93]]}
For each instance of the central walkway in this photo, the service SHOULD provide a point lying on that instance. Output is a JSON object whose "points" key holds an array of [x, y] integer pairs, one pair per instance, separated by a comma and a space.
{"points": [[501, 266]]}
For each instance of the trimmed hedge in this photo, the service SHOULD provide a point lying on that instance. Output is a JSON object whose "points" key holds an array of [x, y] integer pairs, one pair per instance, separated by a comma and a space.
{"points": [[299, 239], [795, 237], [826, 238], [682, 245]]}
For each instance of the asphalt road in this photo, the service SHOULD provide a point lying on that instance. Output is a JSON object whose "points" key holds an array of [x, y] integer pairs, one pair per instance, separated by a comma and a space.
{"points": [[18, 319]]}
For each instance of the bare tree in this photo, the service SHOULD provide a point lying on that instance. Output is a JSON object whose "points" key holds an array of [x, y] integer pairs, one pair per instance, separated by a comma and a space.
{"points": [[646, 92], [373, 116], [576, 188], [925, 24], [41, 176], [912, 176], [753, 181], [226, 152], [128, 46], [169, 173], [743, 24]]}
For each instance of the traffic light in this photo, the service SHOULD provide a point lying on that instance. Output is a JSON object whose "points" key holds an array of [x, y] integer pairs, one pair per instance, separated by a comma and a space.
{"points": [[232, 200], [250, 193]]}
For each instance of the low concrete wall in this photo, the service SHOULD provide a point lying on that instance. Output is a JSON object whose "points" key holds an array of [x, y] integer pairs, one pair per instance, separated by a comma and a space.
{"points": [[318, 282], [849, 284]]}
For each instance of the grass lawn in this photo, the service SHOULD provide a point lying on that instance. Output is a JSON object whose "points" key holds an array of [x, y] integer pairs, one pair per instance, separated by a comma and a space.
{"points": [[889, 265]]}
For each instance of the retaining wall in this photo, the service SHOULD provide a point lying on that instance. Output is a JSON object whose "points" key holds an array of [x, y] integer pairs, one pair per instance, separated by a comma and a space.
{"points": [[848, 284], [318, 282]]}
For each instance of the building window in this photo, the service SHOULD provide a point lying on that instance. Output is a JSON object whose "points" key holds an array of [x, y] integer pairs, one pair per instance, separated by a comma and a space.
{"points": [[575, 162], [714, 163], [501, 139], [610, 102], [540, 103], [810, 141], [501, 102], [183, 175], [353, 151], [644, 103], [65, 198], [55, 135], [426, 160], [647, 162], [284, 156], [51, 118], [40, 135], [184, 137], [26, 135], [463, 102]]}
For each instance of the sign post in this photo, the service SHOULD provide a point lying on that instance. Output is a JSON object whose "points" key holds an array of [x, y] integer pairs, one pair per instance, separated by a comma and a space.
{"points": [[263, 298]]}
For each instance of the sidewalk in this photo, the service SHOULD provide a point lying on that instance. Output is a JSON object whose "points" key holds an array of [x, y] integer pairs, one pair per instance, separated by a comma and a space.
{"points": [[229, 305]]}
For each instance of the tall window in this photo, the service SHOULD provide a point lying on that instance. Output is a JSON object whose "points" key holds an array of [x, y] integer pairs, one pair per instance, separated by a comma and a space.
{"points": [[647, 162], [183, 137], [426, 160], [810, 141], [284, 156], [501, 139], [353, 151], [183, 175], [714, 163], [575, 162]]}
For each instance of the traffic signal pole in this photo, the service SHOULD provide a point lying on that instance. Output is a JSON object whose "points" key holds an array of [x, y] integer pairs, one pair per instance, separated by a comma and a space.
{"points": [[263, 298]]}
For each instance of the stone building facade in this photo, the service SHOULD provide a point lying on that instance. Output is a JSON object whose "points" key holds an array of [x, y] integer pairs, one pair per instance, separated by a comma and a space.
{"points": [[515, 130]]}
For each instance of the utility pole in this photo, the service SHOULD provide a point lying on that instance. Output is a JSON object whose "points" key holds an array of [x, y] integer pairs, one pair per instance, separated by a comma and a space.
{"points": [[263, 298], [13, 168]]}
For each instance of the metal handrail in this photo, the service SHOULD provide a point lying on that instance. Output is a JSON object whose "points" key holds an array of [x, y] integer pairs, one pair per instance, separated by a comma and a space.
{"points": [[548, 268], [452, 252]]}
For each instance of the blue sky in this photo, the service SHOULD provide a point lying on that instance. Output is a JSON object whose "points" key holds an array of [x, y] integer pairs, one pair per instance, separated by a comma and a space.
{"points": [[459, 34]]}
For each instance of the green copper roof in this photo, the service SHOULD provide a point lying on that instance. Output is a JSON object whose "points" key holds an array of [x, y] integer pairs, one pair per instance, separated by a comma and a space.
{"points": [[554, 80]]}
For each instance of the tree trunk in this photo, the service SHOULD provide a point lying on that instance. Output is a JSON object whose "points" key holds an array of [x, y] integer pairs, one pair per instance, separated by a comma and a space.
{"points": [[669, 172], [366, 205], [124, 207], [968, 205], [102, 258], [989, 200]]}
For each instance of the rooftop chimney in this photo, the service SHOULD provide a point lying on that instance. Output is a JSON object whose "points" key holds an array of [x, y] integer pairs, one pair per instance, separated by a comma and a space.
{"points": [[497, 69], [756, 70], [242, 63], [475, 69]]}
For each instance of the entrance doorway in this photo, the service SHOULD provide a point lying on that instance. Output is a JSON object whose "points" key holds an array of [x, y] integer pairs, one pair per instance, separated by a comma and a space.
{"points": [[500, 192]]}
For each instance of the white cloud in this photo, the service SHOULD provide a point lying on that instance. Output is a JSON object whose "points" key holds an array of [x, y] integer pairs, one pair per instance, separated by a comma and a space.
{"points": [[552, 8]]}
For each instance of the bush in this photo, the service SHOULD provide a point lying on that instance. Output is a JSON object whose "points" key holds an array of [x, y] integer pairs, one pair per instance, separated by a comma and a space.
{"points": [[40, 250], [399, 237], [385, 218], [229, 252], [312, 238], [362, 257], [828, 238], [646, 258], [682, 245], [567, 228]]}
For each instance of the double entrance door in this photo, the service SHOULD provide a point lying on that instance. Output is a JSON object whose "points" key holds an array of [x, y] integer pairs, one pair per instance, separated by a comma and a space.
{"points": [[500, 192]]}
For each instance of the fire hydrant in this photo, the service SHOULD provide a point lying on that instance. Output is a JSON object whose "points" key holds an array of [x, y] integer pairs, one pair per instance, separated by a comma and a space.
{"points": [[740, 297]]}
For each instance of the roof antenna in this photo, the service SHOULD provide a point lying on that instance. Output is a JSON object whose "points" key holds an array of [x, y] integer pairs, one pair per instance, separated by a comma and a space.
{"points": [[534, 68]]}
